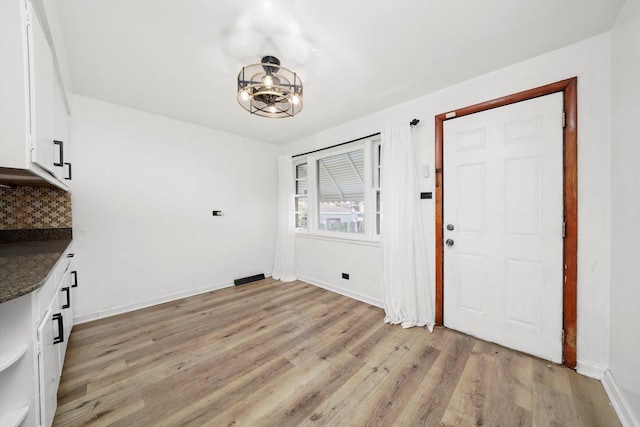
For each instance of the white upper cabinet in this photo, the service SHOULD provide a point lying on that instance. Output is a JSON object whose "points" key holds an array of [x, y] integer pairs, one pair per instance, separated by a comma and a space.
{"points": [[61, 135], [34, 129], [43, 96]]}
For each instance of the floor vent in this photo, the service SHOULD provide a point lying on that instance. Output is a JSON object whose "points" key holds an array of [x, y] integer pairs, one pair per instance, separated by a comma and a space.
{"points": [[249, 279]]}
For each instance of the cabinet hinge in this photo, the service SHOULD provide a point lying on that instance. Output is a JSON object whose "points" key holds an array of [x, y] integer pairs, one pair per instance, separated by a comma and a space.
{"points": [[27, 16], [564, 229], [564, 119]]}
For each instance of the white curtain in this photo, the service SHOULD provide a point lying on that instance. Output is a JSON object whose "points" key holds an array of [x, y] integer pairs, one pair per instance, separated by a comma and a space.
{"points": [[406, 289], [284, 264]]}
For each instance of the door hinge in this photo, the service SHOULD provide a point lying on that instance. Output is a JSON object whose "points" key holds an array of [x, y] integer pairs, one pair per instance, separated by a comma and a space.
{"points": [[564, 119], [562, 336], [564, 229]]}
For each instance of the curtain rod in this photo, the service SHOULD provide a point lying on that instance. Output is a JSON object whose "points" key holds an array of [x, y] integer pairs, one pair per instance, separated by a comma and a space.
{"points": [[411, 123]]}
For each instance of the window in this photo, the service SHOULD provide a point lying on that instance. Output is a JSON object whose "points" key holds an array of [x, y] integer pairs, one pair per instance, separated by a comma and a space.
{"points": [[301, 196], [341, 192], [337, 191]]}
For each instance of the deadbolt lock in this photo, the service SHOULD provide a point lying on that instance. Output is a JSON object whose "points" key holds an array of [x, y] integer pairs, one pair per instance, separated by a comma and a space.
{"points": [[450, 227]]}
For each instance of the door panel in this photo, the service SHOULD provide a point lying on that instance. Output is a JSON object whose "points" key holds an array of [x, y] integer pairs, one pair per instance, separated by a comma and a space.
{"points": [[523, 197], [503, 199], [523, 292], [472, 282], [472, 196]]}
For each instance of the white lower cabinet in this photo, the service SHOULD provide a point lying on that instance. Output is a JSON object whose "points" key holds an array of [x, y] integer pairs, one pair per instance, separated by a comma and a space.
{"points": [[34, 333], [48, 366], [52, 338]]}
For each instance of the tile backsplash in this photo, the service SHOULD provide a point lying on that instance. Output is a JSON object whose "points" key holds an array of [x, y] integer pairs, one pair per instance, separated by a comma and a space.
{"points": [[34, 207]]}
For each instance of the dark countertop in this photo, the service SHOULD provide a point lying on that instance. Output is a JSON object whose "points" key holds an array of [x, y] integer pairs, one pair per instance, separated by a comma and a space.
{"points": [[24, 266]]}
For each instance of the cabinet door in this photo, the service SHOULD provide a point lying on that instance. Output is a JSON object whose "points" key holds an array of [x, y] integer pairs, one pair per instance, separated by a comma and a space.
{"points": [[72, 282], [61, 134], [48, 364], [46, 153], [65, 305]]}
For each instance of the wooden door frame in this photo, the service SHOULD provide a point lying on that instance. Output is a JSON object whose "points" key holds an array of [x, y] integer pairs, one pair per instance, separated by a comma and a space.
{"points": [[570, 201]]}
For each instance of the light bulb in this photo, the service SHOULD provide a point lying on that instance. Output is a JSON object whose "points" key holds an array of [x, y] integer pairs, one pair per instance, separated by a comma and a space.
{"points": [[267, 81], [272, 109], [244, 95], [295, 100]]}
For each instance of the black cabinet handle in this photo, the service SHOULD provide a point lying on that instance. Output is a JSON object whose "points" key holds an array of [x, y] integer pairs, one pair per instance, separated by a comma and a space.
{"points": [[68, 291], [61, 145], [60, 337], [69, 169], [75, 279]]}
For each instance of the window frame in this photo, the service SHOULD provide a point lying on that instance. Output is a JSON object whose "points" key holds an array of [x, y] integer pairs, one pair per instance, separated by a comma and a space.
{"points": [[297, 196], [376, 167], [313, 207]]}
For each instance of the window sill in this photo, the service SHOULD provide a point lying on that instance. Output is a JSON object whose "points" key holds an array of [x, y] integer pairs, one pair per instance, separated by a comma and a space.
{"points": [[352, 240]]}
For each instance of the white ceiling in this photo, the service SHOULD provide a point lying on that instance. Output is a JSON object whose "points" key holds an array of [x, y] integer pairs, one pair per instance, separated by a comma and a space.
{"points": [[180, 58]]}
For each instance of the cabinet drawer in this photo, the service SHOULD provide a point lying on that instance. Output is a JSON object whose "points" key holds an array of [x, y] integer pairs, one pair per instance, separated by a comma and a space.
{"points": [[48, 290]]}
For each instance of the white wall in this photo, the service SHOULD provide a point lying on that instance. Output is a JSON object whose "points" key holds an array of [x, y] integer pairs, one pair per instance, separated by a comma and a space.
{"points": [[589, 60], [625, 211], [143, 191], [322, 261]]}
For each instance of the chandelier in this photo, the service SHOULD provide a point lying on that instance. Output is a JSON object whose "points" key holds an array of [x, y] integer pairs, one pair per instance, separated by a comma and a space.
{"points": [[269, 90]]}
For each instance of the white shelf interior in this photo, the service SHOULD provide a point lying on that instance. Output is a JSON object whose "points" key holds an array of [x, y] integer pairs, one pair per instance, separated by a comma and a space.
{"points": [[10, 356], [13, 419]]}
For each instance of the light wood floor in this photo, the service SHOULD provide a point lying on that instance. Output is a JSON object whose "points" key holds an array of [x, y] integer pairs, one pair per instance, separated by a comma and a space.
{"points": [[273, 354]]}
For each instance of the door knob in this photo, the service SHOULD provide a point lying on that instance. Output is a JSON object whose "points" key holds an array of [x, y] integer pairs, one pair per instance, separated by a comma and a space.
{"points": [[449, 242]]}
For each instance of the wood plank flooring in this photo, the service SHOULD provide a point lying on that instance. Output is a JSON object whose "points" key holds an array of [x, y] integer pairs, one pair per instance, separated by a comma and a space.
{"points": [[274, 354]]}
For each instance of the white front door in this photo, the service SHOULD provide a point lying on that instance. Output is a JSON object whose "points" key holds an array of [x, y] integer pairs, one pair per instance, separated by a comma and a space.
{"points": [[503, 220]]}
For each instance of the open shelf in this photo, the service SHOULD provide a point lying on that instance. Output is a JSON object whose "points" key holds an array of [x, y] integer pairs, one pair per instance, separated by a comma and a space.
{"points": [[13, 419], [10, 356]]}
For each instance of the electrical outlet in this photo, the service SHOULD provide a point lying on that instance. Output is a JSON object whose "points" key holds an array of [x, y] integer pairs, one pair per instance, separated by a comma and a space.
{"points": [[345, 276]]}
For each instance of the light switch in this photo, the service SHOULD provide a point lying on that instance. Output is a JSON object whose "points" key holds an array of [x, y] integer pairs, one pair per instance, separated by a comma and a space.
{"points": [[425, 170]]}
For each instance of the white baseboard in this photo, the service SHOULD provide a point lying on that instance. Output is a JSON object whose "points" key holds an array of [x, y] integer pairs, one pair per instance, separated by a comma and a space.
{"points": [[589, 370], [100, 314], [342, 291], [618, 401]]}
